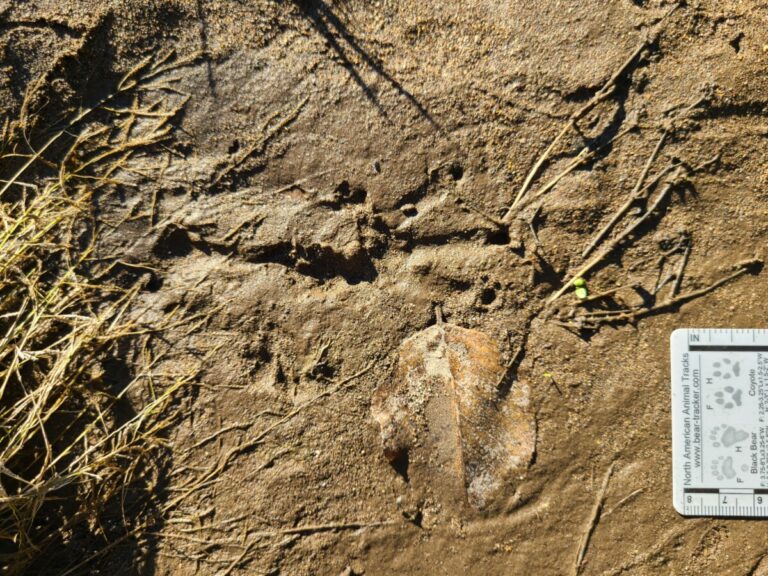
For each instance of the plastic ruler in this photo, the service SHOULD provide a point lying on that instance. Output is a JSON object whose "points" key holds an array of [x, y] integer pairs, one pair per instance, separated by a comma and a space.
{"points": [[720, 422]]}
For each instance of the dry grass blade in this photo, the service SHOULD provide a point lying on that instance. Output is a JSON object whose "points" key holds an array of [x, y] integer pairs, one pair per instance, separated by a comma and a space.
{"points": [[67, 449]]}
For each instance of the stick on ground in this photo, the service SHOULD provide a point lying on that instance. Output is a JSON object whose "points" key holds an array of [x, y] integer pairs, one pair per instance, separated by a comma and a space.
{"points": [[603, 94], [628, 231], [633, 197], [594, 519]]}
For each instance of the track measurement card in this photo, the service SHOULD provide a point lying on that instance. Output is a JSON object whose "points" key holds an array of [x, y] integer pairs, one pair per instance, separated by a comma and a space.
{"points": [[720, 422]]}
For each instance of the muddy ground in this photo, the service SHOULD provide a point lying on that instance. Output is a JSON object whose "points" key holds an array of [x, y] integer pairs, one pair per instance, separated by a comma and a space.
{"points": [[339, 171]]}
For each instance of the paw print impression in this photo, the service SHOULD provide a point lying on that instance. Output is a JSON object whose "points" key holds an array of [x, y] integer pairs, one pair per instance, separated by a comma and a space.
{"points": [[726, 369], [728, 397]]}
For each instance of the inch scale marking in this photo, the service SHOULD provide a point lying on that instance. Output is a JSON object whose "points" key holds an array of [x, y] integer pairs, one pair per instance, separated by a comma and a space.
{"points": [[720, 422], [725, 502]]}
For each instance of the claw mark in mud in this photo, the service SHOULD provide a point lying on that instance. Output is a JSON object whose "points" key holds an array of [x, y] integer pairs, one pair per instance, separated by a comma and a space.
{"points": [[728, 397], [316, 260]]}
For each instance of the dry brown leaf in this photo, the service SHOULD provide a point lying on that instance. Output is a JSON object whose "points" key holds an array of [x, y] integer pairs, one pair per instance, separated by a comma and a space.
{"points": [[444, 417]]}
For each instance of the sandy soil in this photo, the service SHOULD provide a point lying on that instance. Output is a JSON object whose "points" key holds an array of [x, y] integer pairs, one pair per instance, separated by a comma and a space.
{"points": [[337, 172]]}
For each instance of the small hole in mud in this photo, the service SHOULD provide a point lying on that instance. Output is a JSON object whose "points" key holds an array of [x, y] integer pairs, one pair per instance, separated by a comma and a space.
{"points": [[415, 518], [234, 147], [183, 148], [580, 94], [400, 464], [351, 194], [499, 237], [487, 296], [153, 282], [642, 84], [174, 242], [735, 42], [456, 171]]}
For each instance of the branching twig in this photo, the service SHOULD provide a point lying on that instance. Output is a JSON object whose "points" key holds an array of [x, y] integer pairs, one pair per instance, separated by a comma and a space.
{"points": [[594, 320], [603, 94], [618, 240], [636, 193]]}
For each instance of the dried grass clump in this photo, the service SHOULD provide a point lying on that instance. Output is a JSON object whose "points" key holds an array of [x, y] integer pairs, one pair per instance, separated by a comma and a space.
{"points": [[77, 427]]}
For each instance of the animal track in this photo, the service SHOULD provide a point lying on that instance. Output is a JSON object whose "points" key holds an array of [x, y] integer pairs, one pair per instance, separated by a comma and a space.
{"points": [[722, 468], [729, 436], [726, 369], [728, 397]]}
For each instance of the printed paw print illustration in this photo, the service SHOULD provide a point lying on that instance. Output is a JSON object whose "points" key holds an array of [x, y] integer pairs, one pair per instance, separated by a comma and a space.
{"points": [[722, 468], [726, 369], [728, 397], [727, 436]]}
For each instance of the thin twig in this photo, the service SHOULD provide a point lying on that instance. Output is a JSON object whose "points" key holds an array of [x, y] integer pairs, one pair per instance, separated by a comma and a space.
{"points": [[604, 294], [218, 433], [584, 156], [618, 240], [593, 320], [681, 270], [679, 172], [258, 146], [299, 182], [623, 501], [605, 92], [641, 559], [498, 224], [316, 528], [594, 519], [299, 530], [756, 563], [640, 190], [743, 268], [633, 197], [238, 560]]}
